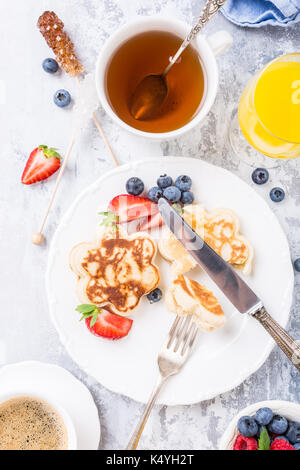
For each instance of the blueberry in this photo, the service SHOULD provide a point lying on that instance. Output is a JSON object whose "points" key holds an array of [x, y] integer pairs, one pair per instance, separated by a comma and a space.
{"points": [[62, 98], [277, 194], [187, 197], [260, 176], [297, 264], [50, 65], [297, 446], [164, 181], [293, 433], [247, 426], [155, 193], [264, 416], [278, 425], [155, 295], [183, 182], [134, 186], [172, 193]]}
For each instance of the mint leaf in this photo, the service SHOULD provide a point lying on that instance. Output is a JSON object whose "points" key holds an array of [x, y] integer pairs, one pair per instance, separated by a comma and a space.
{"points": [[94, 319], [88, 311], [85, 308], [110, 219], [264, 440]]}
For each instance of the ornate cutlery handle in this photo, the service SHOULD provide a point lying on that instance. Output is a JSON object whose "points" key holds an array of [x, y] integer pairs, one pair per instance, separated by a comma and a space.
{"points": [[210, 9], [288, 345]]}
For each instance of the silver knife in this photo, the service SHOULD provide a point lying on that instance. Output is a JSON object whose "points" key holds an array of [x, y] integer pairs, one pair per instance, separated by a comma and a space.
{"points": [[230, 283]]}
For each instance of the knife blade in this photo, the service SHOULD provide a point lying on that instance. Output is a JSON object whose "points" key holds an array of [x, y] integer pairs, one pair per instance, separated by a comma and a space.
{"points": [[230, 283]]}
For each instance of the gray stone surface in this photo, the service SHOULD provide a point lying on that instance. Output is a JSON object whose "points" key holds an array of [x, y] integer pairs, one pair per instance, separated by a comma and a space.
{"points": [[29, 118]]}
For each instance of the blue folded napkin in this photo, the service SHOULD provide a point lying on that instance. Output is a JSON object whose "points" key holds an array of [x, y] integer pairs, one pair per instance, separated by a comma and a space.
{"points": [[255, 13]]}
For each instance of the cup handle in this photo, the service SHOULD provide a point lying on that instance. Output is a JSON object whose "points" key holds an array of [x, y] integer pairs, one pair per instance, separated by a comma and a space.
{"points": [[220, 42]]}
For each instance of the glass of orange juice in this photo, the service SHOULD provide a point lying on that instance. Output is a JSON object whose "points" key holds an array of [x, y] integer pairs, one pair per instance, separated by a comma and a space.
{"points": [[269, 110]]}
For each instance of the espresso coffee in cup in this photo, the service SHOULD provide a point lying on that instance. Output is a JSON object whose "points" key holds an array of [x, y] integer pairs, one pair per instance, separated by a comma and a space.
{"points": [[28, 423]]}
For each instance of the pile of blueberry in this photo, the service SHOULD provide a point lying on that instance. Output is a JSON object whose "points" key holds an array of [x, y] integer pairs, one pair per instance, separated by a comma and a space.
{"points": [[267, 431], [61, 97], [180, 191]]}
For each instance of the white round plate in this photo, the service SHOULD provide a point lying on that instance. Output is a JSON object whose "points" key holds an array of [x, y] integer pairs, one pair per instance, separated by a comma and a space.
{"points": [[288, 409], [221, 360], [63, 388]]}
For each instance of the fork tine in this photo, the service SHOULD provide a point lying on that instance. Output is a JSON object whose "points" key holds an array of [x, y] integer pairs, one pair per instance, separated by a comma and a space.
{"points": [[174, 330], [189, 338], [173, 327], [182, 332], [193, 337], [187, 334]]}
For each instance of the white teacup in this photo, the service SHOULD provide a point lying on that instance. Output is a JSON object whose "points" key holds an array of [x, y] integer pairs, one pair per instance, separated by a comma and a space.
{"points": [[208, 48], [72, 438]]}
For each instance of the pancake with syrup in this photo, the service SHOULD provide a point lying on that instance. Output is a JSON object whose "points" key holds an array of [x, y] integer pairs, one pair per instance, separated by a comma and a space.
{"points": [[116, 270], [220, 229], [188, 297]]}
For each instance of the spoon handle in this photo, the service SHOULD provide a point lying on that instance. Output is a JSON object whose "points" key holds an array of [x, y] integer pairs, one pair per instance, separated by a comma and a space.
{"points": [[210, 9]]}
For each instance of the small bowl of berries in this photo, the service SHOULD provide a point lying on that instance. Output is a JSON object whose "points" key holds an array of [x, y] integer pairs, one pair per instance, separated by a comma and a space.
{"points": [[267, 425]]}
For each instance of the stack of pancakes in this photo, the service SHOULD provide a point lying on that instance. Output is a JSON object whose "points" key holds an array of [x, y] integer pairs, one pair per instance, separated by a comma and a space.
{"points": [[220, 229], [117, 270]]}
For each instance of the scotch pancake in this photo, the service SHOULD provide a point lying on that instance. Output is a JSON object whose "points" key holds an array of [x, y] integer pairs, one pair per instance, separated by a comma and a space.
{"points": [[117, 270], [188, 297], [220, 229]]}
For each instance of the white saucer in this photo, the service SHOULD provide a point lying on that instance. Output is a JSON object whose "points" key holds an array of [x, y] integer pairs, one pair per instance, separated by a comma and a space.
{"points": [[63, 388]]}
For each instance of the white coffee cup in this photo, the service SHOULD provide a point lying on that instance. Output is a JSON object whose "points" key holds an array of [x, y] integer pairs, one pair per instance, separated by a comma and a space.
{"points": [[71, 433], [208, 48]]}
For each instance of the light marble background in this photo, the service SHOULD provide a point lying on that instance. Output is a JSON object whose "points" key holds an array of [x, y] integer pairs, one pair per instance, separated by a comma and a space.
{"points": [[29, 118]]}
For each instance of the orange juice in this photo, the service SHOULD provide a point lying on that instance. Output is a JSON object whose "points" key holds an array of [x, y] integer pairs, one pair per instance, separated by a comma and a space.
{"points": [[269, 109]]}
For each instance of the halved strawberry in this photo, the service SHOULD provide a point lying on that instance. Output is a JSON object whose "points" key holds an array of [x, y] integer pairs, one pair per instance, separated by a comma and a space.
{"points": [[128, 207], [103, 323], [42, 163], [151, 222]]}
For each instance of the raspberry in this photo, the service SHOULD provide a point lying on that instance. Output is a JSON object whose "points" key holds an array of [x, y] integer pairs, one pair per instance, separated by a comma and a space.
{"points": [[281, 444], [245, 443]]}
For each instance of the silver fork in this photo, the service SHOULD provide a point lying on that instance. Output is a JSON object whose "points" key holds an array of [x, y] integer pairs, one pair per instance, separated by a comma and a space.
{"points": [[171, 359]]}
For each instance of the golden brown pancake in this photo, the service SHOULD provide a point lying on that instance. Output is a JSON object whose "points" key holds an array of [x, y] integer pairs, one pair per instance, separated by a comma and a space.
{"points": [[116, 271], [188, 297], [220, 229]]}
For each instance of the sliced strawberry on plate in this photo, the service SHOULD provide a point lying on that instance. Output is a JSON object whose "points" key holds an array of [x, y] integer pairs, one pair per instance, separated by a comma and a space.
{"points": [[42, 163], [128, 207], [151, 222], [103, 323]]}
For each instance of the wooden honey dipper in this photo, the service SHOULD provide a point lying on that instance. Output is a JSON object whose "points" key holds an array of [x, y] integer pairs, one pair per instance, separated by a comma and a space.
{"points": [[52, 29]]}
